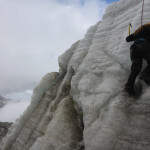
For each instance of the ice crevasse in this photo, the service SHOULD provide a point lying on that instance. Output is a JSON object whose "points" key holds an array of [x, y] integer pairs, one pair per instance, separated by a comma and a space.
{"points": [[83, 106]]}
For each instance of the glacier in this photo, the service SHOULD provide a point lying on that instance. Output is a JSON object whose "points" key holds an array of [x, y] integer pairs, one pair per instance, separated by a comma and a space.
{"points": [[83, 105]]}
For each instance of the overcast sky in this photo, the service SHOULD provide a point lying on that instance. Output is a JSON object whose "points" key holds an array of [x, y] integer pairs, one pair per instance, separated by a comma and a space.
{"points": [[33, 33]]}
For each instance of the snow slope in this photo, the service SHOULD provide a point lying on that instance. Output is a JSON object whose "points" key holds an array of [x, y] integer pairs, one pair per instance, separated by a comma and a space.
{"points": [[83, 106]]}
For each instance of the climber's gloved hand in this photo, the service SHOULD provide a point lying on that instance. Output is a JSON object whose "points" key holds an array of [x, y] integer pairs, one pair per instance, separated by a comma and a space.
{"points": [[130, 38]]}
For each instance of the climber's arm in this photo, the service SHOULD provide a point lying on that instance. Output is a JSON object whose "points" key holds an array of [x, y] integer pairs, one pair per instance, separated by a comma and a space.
{"points": [[130, 38], [137, 33]]}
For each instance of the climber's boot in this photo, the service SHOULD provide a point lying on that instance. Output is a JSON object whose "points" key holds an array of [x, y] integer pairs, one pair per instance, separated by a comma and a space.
{"points": [[129, 90], [145, 78]]}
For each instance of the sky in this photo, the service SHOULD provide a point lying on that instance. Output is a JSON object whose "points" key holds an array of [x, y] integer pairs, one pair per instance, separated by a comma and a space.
{"points": [[33, 33], [111, 1]]}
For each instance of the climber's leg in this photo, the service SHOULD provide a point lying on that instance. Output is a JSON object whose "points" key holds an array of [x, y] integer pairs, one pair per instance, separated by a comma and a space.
{"points": [[135, 69], [136, 66], [145, 75]]}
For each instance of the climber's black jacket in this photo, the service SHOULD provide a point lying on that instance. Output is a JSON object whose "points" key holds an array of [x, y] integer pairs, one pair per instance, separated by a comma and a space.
{"points": [[142, 32]]}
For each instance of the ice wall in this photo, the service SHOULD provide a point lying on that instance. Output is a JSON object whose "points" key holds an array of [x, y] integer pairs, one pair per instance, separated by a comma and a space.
{"points": [[83, 106]]}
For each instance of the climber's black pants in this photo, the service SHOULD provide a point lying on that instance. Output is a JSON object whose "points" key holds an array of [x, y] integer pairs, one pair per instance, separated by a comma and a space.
{"points": [[138, 52]]}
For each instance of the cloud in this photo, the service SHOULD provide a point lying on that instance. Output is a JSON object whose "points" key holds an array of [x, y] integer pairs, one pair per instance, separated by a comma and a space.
{"points": [[12, 111], [19, 96], [33, 33]]}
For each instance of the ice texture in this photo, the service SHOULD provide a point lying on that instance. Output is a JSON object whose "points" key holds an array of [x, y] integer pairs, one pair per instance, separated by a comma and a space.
{"points": [[83, 106]]}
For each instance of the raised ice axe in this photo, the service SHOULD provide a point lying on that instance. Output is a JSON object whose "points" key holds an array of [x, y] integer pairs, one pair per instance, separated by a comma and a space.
{"points": [[130, 25]]}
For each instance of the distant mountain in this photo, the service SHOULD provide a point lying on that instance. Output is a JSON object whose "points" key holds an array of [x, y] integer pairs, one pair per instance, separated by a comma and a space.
{"points": [[3, 101], [2, 98]]}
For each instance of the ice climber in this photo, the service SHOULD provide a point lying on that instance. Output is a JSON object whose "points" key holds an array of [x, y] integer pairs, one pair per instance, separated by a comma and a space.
{"points": [[139, 50]]}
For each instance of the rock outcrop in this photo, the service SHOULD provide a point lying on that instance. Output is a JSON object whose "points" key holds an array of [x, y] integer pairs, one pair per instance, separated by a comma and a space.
{"points": [[83, 106], [4, 129]]}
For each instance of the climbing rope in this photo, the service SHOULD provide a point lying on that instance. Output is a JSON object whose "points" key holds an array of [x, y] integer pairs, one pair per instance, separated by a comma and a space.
{"points": [[142, 12]]}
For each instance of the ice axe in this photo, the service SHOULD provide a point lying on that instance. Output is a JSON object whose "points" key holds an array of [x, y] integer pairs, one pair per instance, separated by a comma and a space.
{"points": [[130, 26]]}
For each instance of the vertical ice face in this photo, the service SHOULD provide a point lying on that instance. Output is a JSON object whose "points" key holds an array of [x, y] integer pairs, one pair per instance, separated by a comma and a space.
{"points": [[83, 106]]}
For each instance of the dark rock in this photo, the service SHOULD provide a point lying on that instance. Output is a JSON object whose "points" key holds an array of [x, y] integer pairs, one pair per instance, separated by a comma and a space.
{"points": [[4, 128]]}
